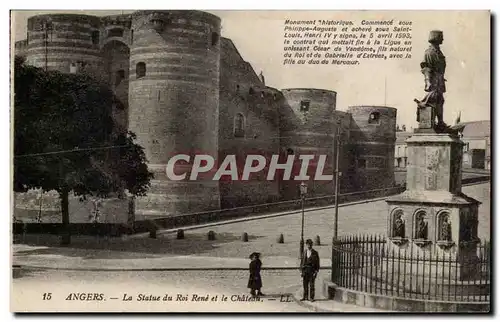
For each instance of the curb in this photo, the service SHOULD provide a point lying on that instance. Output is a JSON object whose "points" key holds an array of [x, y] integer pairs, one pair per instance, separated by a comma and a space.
{"points": [[308, 305], [314, 306]]}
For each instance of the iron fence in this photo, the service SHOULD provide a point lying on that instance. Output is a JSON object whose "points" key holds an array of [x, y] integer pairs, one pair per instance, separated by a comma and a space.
{"points": [[376, 265]]}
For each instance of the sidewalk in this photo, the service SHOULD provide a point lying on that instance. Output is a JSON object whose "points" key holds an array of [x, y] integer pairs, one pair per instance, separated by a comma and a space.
{"points": [[105, 260], [324, 305]]}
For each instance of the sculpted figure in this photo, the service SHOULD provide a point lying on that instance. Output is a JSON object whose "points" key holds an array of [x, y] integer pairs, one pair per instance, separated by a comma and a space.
{"points": [[433, 67], [445, 232], [398, 226], [421, 228]]}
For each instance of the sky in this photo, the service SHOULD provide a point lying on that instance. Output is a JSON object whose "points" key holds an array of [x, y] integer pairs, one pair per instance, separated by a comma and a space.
{"points": [[258, 35]]}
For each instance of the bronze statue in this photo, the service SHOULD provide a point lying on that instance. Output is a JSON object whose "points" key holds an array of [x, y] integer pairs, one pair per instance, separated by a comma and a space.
{"points": [[421, 228], [445, 231], [433, 67], [399, 226]]}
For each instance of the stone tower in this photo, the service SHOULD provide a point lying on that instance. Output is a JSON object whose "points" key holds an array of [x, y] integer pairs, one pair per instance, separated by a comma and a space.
{"points": [[68, 43], [308, 126], [174, 102], [373, 133]]}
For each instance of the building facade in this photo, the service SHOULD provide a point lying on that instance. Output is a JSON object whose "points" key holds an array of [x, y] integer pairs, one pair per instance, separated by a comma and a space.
{"points": [[185, 89], [476, 136]]}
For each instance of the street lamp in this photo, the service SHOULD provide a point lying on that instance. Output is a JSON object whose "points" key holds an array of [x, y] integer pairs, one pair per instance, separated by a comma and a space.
{"points": [[337, 176], [303, 192]]}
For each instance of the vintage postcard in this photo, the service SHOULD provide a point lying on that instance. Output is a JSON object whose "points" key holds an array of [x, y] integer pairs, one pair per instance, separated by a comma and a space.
{"points": [[250, 161]]}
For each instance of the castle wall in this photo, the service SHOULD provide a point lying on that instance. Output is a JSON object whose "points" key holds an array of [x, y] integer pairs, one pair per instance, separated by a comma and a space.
{"points": [[242, 94], [373, 133], [181, 88], [174, 103]]}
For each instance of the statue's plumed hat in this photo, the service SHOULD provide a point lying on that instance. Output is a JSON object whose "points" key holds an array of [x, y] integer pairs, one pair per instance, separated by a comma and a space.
{"points": [[435, 35]]}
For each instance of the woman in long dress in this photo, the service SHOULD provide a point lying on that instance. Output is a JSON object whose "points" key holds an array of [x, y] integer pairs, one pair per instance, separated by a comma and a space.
{"points": [[255, 280]]}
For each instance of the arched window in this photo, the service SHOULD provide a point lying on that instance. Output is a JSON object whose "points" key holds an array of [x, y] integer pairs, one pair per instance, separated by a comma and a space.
{"points": [[251, 91], [140, 70], [374, 118], [95, 37], [215, 38], [239, 125]]}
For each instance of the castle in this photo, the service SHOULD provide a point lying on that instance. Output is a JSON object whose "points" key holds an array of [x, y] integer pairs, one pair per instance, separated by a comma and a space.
{"points": [[182, 88]]}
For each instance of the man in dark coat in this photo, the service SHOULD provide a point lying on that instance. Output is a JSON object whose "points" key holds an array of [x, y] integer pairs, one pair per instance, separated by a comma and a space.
{"points": [[255, 281], [309, 266]]}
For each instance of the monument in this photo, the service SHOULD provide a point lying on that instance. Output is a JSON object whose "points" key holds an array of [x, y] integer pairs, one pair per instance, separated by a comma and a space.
{"points": [[431, 259], [437, 217]]}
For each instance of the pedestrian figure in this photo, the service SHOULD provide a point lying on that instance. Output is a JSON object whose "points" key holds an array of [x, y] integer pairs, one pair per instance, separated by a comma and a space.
{"points": [[309, 266], [255, 281]]}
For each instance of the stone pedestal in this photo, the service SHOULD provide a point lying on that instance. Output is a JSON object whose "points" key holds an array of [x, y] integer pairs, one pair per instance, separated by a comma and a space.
{"points": [[439, 220]]}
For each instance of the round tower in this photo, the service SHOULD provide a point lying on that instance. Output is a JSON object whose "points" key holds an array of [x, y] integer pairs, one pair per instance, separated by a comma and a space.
{"points": [[174, 103], [308, 126], [68, 43], [373, 133]]}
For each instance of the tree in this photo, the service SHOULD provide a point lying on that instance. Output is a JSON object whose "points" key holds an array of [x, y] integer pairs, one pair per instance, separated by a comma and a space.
{"points": [[65, 139]]}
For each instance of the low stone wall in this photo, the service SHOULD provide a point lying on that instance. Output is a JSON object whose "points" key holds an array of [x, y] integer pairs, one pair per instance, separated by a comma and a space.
{"points": [[393, 303]]}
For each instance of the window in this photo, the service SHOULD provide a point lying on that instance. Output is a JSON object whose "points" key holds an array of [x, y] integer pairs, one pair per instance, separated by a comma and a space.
{"points": [[377, 163], [251, 91], [374, 118], [131, 36], [215, 38], [140, 70], [361, 163], [73, 68], [115, 32], [95, 37], [289, 151], [239, 125], [304, 106], [120, 75]]}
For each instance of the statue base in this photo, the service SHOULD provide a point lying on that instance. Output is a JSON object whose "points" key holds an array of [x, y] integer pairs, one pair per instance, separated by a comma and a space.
{"points": [[440, 220]]}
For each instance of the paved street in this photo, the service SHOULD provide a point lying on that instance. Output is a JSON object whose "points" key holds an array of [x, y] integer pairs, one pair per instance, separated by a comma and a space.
{"points": [[195, 251], [32, 284]]}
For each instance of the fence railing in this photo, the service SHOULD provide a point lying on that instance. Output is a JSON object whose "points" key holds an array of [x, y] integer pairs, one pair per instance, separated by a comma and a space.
{"points": [[374, 265]]}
